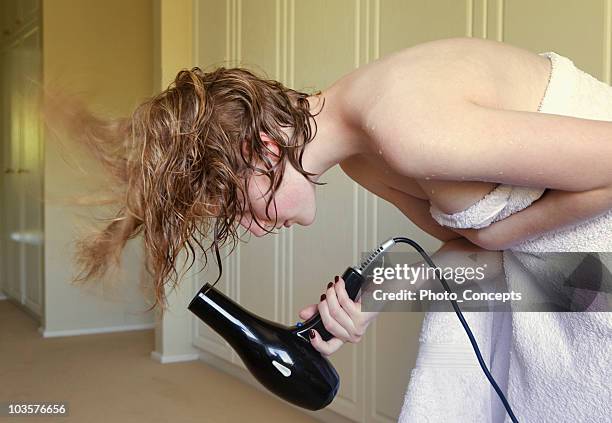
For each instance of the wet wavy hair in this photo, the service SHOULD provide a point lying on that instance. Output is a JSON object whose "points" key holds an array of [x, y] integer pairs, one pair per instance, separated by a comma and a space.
{"points": [[182, 170]]}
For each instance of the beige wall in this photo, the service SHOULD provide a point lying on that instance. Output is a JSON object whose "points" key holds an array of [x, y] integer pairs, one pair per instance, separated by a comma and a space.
{"points": [[103, 51]]}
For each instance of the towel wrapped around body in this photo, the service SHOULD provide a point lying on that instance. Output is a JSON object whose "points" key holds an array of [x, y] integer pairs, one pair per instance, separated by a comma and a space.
{"points": [[552, 365]]}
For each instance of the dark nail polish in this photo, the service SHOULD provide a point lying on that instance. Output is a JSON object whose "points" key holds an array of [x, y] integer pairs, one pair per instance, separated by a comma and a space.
{"points": [[323, 297], [311, 333], [329, 285], [337, 278]]}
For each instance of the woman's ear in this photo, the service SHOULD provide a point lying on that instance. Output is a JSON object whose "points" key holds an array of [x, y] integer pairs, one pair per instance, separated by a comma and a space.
{"points": [[270, 144], [272, 149]]}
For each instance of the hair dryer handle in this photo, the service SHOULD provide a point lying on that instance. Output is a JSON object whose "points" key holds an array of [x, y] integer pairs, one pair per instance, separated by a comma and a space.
{"points": [[352, 282]]}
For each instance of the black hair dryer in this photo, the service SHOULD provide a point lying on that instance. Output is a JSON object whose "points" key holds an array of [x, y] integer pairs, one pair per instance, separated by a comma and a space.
{"points": [[280, 357]]}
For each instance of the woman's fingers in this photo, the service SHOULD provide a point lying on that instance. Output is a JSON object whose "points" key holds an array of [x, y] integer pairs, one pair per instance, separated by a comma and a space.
{"points": [[307, 312], [326, 348], [351, 308], [329, 322], [360, 318], [339, 314]]}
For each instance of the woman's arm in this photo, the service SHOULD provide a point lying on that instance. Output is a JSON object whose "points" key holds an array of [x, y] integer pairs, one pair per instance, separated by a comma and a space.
{"points": [[463, 141], [553, 211]]}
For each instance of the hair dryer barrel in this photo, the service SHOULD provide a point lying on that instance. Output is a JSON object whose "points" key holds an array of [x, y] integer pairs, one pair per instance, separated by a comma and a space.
{"points": [[279, 359]]}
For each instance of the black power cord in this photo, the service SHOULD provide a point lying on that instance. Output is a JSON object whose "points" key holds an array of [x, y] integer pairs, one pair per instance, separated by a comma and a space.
{"points": [[465, 326]]}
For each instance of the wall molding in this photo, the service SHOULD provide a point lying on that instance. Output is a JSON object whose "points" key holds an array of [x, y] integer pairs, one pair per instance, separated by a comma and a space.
{"points": [[93, 331], [170, 358]]}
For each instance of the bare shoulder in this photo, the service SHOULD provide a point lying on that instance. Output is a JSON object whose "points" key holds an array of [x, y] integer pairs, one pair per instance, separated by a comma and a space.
{"points": [[453, 68], [415, 93]]}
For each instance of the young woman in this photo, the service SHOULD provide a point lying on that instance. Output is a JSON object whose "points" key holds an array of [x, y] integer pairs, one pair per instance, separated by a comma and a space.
{"points": [[434, 129]]}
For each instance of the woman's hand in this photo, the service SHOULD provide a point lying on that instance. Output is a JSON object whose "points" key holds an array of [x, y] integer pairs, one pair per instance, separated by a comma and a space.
{"points": [[341, 316]]}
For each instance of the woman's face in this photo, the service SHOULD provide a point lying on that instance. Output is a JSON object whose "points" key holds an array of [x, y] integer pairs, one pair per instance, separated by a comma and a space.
{"points": [[295, 201]]}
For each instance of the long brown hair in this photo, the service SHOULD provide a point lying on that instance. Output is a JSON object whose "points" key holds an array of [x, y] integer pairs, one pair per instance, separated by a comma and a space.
{"points": [[182, 168]]}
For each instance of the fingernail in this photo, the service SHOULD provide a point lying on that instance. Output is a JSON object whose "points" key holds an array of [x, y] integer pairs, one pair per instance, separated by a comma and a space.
{"points": [[311, 333], [322, 297], [329, 285], [337, 278]]}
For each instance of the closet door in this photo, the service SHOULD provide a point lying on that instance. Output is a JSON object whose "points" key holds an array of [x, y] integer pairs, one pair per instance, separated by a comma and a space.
{"points": [[12, 182], [30, 170], [5, 163]]}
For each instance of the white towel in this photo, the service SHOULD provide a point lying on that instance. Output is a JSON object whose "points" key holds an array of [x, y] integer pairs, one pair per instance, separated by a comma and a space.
{"points": [[552, 366], [500, 203]]}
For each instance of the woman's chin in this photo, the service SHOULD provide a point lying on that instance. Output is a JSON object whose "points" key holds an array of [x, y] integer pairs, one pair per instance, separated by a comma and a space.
{"points": [[308, 222]]}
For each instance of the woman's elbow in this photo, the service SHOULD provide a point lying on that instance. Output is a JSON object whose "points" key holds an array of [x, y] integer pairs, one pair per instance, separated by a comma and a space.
{"points": [[486, 238]]}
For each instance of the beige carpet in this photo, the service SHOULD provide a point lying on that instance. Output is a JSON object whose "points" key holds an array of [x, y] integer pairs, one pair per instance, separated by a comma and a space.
{"points": [[110, 378]]}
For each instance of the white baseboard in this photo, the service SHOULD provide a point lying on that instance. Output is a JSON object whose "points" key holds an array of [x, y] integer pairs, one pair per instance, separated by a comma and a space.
{"points": [[176, 358], [75, 332]]}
